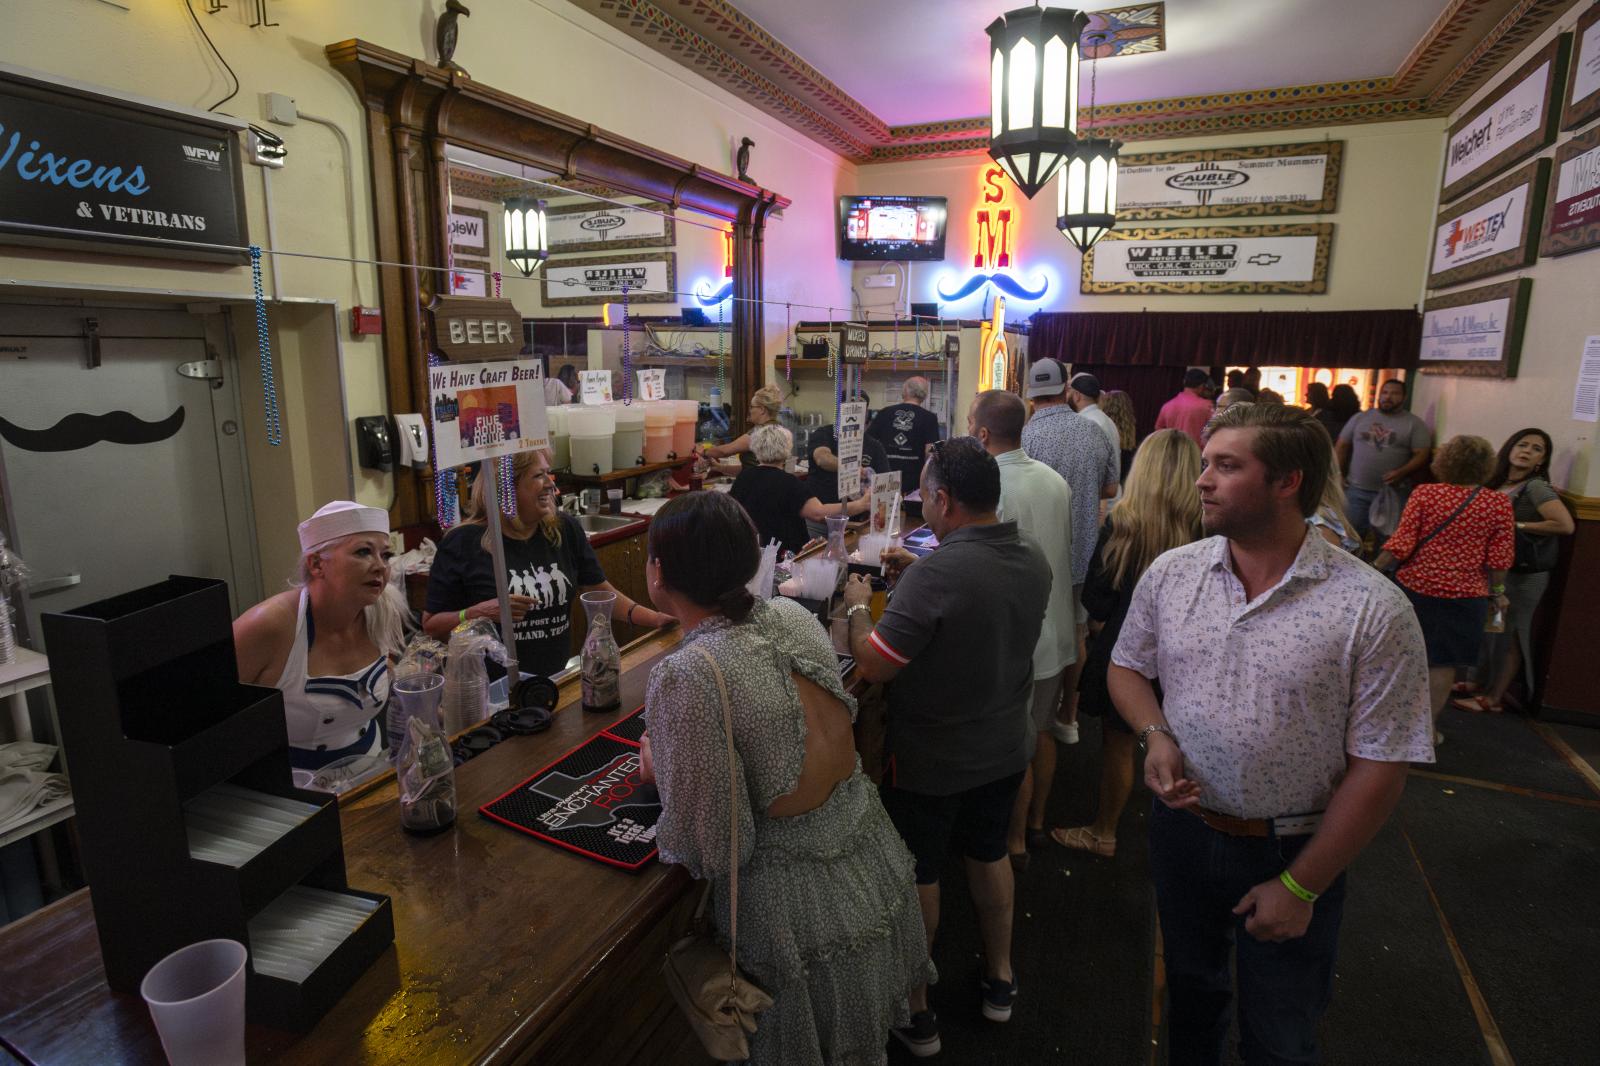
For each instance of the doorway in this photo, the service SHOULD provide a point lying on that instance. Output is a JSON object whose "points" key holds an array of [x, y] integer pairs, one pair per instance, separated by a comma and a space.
{"points": [[121, 453]]}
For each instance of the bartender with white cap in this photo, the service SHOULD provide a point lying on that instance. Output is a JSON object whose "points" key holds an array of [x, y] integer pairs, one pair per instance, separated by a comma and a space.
{"points": [[326, 643]]}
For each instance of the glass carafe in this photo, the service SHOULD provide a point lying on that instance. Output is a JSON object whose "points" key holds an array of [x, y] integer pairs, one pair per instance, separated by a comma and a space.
{"points": [[836, 552], [602, 659]]}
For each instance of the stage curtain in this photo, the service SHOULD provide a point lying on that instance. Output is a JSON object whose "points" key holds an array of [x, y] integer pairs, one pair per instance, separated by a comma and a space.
{"points": [[1367, 340], [1147, 386]]}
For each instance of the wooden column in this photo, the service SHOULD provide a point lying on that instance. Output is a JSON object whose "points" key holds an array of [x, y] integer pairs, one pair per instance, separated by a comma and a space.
{"points": [[1569, 617]]}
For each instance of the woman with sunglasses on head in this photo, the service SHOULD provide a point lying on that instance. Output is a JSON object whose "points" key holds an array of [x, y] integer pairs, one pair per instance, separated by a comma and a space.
{"points": [[548, 563], [1521, 473]]}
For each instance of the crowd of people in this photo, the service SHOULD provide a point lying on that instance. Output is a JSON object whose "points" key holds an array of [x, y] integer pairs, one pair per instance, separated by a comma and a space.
{"points": [[1272, 603]]}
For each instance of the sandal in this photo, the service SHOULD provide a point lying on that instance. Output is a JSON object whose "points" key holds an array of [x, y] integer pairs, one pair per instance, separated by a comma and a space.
{"points": [[1079, 838], [1477, 705]]}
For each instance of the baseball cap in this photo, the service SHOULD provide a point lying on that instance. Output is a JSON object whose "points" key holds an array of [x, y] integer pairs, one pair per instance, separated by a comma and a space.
{"points": [[1087, 384], [1195, 376], [1045, 379]]}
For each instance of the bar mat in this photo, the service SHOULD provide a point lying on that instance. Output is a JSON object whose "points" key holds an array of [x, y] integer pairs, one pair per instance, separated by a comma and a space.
{"points": [[629, 730], [590, 801]]}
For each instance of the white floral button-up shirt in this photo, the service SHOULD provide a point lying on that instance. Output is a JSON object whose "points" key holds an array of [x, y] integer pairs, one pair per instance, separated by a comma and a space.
{"points": [[1268, 697]]}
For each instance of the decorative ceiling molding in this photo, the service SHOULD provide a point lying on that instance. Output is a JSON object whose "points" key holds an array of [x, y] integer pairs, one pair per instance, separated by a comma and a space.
{"points": [[1467, 44]]}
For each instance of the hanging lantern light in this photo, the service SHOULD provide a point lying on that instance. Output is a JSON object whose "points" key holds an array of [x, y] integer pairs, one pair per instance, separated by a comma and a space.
{"points": [[1086, 201], [1033, 85], [527, 239]]}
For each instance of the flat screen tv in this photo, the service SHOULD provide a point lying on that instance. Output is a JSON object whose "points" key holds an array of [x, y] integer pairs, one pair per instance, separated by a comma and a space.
{"points": [[893, 228]]}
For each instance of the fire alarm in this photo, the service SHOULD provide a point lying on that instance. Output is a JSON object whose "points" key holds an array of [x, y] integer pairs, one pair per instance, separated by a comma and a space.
{"points": [[365, 321]]}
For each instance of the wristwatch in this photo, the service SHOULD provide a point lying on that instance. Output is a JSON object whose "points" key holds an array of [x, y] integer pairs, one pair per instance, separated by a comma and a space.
{"points": [[856, 607], [1147, 730]]}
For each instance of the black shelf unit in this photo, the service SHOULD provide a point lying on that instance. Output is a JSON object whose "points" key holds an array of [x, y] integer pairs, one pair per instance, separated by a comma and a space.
{"points": [[152, 714]]}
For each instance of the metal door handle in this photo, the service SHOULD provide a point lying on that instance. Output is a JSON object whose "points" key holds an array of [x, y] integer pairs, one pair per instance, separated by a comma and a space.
{"points": [[44, 585]]}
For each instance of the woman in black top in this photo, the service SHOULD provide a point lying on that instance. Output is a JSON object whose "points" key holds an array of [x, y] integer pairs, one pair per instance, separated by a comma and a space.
{"points": [[779, 503], [1342, 405], [548, 563], [1159, 510]]}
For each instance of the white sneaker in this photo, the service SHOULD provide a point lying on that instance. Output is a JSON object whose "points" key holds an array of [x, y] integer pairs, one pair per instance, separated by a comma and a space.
{"points": [[1065, 732]]}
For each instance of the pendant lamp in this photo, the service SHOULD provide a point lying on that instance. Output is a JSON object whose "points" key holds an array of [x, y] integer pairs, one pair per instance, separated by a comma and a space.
{"points": [[1086, 200], [1033, 84], [527, 239]]}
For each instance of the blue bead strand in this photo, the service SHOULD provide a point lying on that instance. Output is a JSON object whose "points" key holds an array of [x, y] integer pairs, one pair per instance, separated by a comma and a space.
{"points": [[269, 387], [627, 352]]}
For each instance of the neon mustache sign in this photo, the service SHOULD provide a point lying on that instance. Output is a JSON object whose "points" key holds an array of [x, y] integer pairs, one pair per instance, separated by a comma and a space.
{"points": [[1000, 280], [993, 248]]}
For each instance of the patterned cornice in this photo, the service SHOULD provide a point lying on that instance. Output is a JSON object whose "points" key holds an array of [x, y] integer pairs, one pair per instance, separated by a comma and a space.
{"points": [[1466, 45]]}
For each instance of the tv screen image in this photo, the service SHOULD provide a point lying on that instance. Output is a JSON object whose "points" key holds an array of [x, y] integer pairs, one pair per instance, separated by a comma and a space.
{"points": [[894, 228]]}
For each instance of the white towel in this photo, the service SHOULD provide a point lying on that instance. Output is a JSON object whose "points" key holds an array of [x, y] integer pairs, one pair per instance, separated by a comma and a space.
{"points": [[26, 755], [23, 791]]}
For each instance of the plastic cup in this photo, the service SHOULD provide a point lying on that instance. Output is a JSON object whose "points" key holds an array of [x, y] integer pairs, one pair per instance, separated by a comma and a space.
{"points": [[420, 696], [196, 996]]}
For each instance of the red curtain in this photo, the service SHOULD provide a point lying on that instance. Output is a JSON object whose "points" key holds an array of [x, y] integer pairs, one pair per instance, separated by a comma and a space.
{"points": [[1368, 340], [1147, 386]]}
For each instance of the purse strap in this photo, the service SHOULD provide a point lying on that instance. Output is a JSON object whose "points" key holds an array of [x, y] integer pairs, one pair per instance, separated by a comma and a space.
{"points": [[733, 823], [1440, 528]]}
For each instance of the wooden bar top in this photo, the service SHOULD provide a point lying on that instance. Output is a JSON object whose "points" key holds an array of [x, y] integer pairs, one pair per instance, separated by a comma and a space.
{"points": [[503, 944]]}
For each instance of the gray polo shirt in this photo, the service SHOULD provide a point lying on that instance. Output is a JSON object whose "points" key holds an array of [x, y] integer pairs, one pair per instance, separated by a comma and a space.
{"points": [[962, 627], [1381, 443]]}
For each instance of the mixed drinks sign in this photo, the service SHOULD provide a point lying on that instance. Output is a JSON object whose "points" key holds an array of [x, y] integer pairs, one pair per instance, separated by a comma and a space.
{"points": [[115, 173], [1477, 331], [1211, 259], [1517, 118], [1272, 179]]}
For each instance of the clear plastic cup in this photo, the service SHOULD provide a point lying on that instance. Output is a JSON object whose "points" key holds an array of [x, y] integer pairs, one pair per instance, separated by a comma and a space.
{"points": [[196, 996], [415, 696]]}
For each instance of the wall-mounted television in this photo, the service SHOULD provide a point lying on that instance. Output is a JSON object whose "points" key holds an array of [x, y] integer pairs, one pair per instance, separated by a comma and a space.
{"points": [[893, 228]]}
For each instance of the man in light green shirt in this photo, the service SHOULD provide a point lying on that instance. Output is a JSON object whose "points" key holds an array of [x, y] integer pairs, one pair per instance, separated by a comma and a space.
{"points": [[1038, 499]]}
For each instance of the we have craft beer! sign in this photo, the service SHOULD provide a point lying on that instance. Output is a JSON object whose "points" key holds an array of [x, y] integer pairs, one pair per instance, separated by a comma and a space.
{"points": [[115, 173]]}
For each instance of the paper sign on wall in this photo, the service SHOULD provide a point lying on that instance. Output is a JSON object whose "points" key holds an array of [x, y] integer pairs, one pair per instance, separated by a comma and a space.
{"points": [[596, 385], [652, 383], [852, 435], [1586, 397], [483, 410]]}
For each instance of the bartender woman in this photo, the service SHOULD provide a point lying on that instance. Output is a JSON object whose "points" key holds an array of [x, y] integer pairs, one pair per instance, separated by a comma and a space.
{"points": [[764, 405], [548, 563], [326, 642]]}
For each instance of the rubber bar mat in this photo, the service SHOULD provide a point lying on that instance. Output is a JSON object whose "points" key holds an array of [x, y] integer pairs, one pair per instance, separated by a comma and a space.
{"points": [[629, 730]]}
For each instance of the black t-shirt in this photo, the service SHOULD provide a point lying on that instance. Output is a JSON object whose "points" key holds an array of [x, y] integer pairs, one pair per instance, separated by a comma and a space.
{"points": [[825, 483], [774, 498], [463, 574], [905, 431]]}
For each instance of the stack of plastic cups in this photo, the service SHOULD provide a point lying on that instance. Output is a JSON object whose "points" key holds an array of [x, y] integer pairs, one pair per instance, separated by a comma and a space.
{"points": [[560, 442], [686, 416], [658, 430], [591, 430], [628, 443]]}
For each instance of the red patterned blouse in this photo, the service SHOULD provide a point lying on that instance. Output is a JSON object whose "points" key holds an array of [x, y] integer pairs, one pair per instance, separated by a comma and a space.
{"points": [[1452, 564]]}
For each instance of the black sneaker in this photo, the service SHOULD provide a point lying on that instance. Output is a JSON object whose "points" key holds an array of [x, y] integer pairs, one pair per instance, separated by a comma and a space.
{"points": [[998, 996], [921, 1037]]}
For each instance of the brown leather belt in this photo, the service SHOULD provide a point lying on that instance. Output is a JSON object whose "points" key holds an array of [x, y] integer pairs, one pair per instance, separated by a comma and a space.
{"points": [[1292, 825]]}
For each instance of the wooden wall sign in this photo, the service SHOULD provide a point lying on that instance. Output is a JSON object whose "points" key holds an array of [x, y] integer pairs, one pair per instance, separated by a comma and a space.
{"points": [[1583, 85], [1211, 260], [1476, 332], [1269, 179], [586, 227], [1491, 231], [853, 343], [1572, 217], [74, 160], [469, 277], [1516, 119], [649, 276], [469, 231], [468, 329]]}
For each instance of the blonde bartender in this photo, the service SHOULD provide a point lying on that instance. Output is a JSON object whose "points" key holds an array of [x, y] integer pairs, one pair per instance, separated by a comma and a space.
{"points": [[326, 643]]}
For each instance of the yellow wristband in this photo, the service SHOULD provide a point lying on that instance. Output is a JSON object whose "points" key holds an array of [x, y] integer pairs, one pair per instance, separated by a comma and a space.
{"points": [[1299, 891], [462, 617]]}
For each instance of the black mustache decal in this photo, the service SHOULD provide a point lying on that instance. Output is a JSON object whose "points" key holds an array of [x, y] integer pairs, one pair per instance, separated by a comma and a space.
{"points": [[80, 431]]}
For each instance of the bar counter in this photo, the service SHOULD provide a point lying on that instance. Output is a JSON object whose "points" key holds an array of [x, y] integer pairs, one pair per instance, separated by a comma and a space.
{"points": [[507, 949]]}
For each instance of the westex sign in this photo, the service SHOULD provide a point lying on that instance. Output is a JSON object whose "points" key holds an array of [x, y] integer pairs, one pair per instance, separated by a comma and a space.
{"points": [[114, 172]]}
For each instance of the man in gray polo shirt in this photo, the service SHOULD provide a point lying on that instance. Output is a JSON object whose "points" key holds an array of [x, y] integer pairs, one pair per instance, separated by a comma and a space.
{"points": [[956, 647]]}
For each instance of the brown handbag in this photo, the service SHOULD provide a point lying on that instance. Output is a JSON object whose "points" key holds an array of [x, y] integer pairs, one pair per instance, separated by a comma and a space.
{"points": [[720, 1002]]}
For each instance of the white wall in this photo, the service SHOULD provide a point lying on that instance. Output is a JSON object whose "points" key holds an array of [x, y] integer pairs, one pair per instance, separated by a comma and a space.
{"points": [[545, 51], [1381, 227], [1564, 308]]}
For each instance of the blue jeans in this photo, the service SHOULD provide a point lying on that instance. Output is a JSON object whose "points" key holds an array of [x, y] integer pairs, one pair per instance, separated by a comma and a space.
{"points": [[1357, 503], [1200, 875]]}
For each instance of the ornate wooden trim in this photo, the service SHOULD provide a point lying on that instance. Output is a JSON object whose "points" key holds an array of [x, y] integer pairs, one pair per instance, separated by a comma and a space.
{"points": [[1585, 508], [414, 110]]}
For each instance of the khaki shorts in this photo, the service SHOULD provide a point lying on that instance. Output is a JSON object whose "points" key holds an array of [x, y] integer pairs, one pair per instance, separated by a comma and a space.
{"points": [[1046, 698]]}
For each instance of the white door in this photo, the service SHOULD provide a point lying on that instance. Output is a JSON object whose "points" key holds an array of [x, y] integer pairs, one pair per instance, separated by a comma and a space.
{"points": [[119, 470]]}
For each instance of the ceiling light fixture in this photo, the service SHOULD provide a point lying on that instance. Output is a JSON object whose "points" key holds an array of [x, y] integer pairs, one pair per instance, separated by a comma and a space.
{"points": [[1033, 82], [527, 237], [1086, 200]]}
